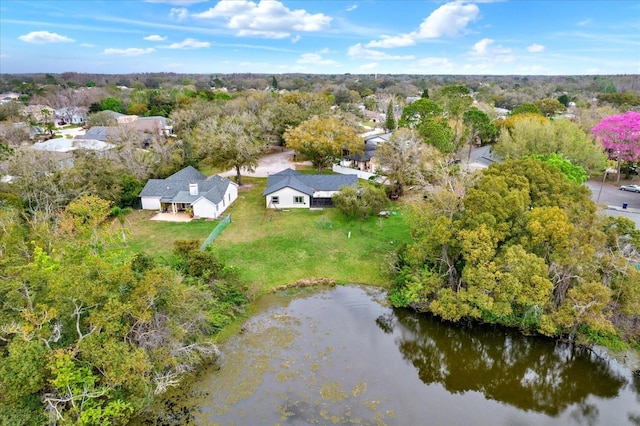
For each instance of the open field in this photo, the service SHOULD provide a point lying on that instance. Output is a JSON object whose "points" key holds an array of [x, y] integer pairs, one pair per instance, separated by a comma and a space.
{"points": [[273, 248]]}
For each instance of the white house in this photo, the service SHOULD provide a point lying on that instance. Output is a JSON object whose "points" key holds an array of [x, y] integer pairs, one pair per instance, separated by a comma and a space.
{"points": [[291, 189], [189, 189]]}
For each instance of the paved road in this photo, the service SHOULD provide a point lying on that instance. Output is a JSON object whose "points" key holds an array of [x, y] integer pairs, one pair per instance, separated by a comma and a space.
{"points": [[608, 194]]}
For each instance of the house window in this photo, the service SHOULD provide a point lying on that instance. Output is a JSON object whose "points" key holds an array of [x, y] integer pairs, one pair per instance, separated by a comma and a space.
{"points": [[298, 200], [275, 200]]}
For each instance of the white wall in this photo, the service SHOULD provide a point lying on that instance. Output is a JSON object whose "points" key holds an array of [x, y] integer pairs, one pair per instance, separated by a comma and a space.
{"points": [[150, 203], [361, 174], [205, 208], [285, 196]]}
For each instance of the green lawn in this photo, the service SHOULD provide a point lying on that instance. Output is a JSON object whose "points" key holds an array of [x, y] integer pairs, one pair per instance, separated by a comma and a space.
{"points": [[273, 248], [157, 237], [276, 248]]}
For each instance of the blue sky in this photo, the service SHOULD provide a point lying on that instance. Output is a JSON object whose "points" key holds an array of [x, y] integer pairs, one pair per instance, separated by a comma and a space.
{"points": [[485, 37]]}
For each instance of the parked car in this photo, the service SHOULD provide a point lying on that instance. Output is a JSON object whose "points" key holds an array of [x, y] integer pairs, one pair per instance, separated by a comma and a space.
{"points": [[631, 188], [61, 123]]}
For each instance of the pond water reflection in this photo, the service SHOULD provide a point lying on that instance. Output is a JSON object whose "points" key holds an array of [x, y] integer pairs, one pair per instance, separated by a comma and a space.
{"points": [[341, 356]]}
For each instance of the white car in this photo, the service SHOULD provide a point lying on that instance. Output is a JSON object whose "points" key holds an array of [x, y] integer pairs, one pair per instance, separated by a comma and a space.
{"points": [[631, 188]]}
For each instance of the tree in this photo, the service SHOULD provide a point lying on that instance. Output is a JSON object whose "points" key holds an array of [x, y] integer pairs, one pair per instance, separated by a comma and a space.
{"points": [[533, 134], [360, 202], [526, 108], [564, 99], [455, 100], [437, 132], [405, 159], [390, 120], [622, 100], [526, 249], [620, 136], [573, 172], [14, 133], [416, 112], [323, 139], [550, 107], [101, 118], [481, 129], [111, 104], [234, 142]]}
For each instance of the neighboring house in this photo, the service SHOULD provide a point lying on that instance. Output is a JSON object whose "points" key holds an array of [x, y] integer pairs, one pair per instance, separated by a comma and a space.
{"points": [[366, 161], [291, 189], [100, 133], [155, 125], [189, 189], [71, 115], [62, 148], [8, 97]]}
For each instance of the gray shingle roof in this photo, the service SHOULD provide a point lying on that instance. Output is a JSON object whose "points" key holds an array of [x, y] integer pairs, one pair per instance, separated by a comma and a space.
{"points": [[307, 184], [175, 188], [188, 173]]}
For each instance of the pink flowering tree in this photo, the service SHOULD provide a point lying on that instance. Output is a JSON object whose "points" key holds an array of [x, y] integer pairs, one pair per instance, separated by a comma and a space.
{"points": [[620, 136]]}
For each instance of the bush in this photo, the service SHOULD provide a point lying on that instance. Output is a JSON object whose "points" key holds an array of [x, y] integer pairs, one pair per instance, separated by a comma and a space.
{"points": [[360, 202]]}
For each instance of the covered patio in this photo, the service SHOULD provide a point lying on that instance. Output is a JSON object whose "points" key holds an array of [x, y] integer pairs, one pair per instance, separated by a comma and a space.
{"points": [[172, 217]]}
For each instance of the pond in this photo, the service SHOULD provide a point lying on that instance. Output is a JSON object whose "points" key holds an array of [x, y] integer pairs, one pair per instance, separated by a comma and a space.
{"points": [[342, 356]]}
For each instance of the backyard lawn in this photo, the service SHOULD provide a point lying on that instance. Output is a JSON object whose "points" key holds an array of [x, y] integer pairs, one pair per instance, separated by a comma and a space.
{"points": [[274, 248], [156, 237]]}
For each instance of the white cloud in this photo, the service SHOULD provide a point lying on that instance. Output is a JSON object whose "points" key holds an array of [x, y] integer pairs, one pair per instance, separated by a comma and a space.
{"points": [[4, 56], [132, 51], [449, 20], [350, 8], [188, 43], [487, 53], [269, 19], [295, 39], [584, 22], [314, 58], [359, 52], [393, 41], [87, 45], [179, 13], [535, 48], [435, 65], [486, 47], [41, 37], [155, 37], [370, 66]]}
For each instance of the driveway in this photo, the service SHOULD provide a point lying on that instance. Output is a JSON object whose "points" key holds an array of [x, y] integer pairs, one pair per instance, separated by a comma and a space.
{"points": [[279, 159]]}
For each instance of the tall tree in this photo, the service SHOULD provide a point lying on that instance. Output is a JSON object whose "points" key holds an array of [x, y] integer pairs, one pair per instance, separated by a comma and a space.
{"points": [[534, 134], [620, 136], [417, 112], [550, 107], [390, 119], [233, 142], [405, 159], [525, 248], [455, 100], [323, 140]]}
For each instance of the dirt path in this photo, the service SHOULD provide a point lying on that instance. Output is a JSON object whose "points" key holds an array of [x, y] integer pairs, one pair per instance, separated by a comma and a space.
{"points": [[279, 159]]}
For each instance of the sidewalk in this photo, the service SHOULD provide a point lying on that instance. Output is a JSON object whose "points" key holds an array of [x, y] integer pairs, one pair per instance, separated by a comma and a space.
{"points": [[620, 209]]}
